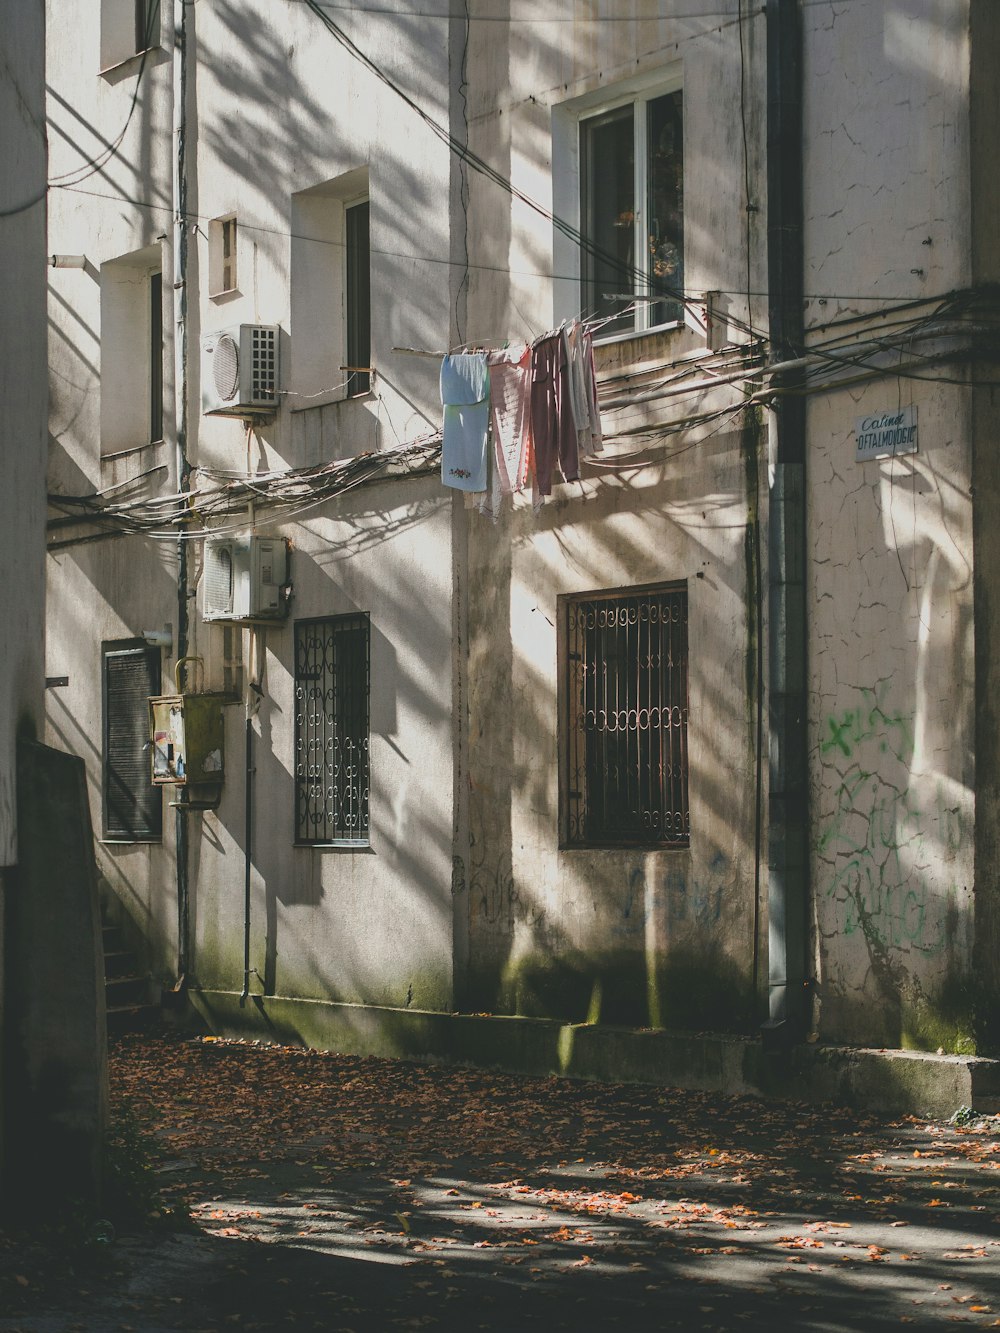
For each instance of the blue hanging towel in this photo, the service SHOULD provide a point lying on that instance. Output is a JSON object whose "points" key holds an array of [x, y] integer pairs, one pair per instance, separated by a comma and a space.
{"points": [[465, 395]]}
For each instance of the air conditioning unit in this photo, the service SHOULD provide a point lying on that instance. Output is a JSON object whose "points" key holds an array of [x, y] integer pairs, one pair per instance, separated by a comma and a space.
{"points": [[239, 370], [245, 578]]}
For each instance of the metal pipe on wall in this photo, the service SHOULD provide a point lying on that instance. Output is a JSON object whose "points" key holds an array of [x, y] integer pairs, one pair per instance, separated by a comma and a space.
{"points": [[180, 17], [788, 830]]}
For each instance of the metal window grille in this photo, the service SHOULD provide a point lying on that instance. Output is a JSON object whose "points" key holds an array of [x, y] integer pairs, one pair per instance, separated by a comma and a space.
{"points": [[133, 807], [625, 757], [331, 730]]}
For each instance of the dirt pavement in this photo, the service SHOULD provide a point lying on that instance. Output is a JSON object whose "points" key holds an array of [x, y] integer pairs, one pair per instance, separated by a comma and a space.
{"points": [[332, 1192]]}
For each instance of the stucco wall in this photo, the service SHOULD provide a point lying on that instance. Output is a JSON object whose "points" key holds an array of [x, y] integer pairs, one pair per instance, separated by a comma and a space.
{"points": [[465, 897], [275, 108], [891, 624]]}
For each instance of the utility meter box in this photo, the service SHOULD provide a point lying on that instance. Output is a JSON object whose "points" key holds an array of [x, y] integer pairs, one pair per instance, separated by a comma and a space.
{"points": [[186, 740]]}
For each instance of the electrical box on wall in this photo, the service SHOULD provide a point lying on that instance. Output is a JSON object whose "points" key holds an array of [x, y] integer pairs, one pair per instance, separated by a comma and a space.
{"points": [[239, 371], [245, 579], [186, 740]]}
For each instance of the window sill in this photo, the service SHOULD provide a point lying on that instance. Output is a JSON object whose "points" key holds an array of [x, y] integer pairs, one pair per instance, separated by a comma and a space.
{"points": [[631, 334], [114, 454], [120, 69], [341, 846], [221, 298], [131, 842], [333, 399], [625, 847]]}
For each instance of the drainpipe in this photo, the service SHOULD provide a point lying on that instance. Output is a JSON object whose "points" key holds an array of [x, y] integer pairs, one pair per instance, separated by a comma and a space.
{"points": [[788, 827], [253, 697], [248, 857], [180, 426]]}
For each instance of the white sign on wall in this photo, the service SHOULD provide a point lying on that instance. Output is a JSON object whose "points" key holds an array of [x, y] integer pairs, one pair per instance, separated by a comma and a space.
{"points": [[887, 433]]}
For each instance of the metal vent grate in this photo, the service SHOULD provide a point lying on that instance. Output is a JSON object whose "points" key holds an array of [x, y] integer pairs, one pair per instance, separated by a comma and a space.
{"points": [[226, 368], [263, 364]]}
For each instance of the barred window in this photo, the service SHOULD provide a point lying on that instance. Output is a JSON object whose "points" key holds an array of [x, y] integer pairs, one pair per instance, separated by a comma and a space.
{"points": [[331, 730], [624, 777], [132, 806]]}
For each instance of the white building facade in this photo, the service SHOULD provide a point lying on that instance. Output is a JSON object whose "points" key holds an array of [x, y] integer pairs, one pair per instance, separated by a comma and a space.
{"points": [[697, 743]]}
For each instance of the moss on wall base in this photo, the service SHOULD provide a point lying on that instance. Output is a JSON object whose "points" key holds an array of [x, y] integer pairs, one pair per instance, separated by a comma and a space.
{"points": [[690, 989], [940, 1018], [892, 1081]]}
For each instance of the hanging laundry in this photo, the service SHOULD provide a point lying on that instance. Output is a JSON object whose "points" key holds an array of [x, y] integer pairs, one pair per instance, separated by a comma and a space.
{"points": [[583, 387], [597, 435], [465, 396], [553, 425], [510, 394]]}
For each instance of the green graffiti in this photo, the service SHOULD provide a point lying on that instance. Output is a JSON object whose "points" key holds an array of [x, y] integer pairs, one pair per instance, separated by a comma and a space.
{"points": [[872, 720], [878, 835]]}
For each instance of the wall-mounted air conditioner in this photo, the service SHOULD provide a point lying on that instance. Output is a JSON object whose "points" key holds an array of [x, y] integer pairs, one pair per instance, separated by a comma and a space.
{"points": [[239, 370], [245, 578]]}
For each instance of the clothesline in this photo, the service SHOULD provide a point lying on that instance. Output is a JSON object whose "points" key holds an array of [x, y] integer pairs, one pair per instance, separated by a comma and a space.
{"points": [[535, 404], [482, 345]]}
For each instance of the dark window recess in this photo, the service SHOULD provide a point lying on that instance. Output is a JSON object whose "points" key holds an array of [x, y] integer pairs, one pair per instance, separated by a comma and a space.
{"points": [[331, 730], [147, 23], [359, 314], [133, 807], [229, 255], [155, 357], [625, 760]]}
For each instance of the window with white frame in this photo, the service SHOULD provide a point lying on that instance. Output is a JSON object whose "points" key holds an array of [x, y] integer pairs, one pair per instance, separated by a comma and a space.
{"points": [[618, 173]]}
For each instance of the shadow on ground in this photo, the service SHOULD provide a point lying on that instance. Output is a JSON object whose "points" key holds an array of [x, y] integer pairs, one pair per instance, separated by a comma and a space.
{"points": [[345, 1193]]}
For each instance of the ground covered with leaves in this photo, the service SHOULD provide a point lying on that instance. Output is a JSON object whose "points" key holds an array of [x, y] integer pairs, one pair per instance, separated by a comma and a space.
{"points": [[263, 1187]]}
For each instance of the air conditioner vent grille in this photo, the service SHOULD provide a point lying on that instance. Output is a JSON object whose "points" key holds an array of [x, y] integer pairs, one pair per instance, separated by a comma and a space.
{"points": [[263, 366], [226, 367]]}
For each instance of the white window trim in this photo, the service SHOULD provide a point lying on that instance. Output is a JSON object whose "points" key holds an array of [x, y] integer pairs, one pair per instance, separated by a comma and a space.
{"points": [[566, 185]]}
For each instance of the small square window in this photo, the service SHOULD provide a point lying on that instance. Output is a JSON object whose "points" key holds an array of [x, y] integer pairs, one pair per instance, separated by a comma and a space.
{"points": [[222, 256], [624, 752], [331, 730], [632, 211]]}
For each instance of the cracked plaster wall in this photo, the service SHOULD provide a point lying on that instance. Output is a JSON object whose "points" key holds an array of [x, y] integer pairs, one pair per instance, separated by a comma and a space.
{"points": [[891, 615]]}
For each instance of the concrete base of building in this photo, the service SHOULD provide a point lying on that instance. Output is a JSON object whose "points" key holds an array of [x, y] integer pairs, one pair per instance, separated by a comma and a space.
{"points": [[889, 1081]]}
